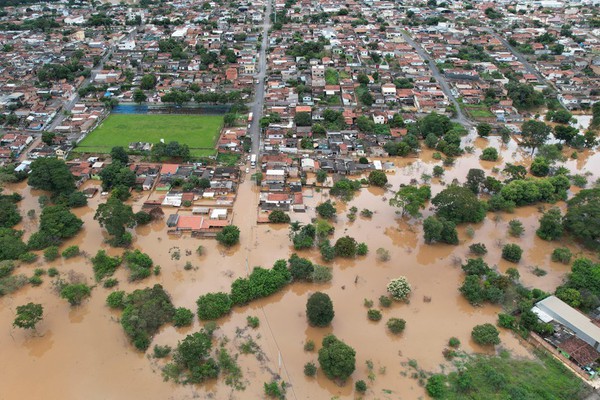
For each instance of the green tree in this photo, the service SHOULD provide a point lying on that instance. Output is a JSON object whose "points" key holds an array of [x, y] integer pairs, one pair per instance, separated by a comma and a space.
{"points": [[411, 199], [28, 316], [52, 175], [139, 96], [582, 219], [485, 334], [278, 217], [475, 180], [319, 309], [326, 210], [534, 134], [116, 217], [439, 230], [183, 317], [303, 119], [56, 224], [377, 178], [540, 166], [119, 154], [9, 213], [345, 247], [193, 356], [336, 358], [484, 129], [551, 225], [489, 154], [75, 293], [148, 82], [214, 305], [229, 236], [301, 269], [512, 252], [321, 176], [459, 204]]}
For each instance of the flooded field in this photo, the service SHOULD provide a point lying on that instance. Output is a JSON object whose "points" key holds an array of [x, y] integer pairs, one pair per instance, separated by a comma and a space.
{"points": [[83, 352]]}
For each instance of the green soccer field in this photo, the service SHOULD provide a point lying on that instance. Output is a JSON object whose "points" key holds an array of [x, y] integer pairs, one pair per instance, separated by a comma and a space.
{"points": [[199, 132]]}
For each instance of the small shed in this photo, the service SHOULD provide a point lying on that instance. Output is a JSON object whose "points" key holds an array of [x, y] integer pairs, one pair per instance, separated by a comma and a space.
{"points": [[200, 210], [218, 213], [172, 220]]}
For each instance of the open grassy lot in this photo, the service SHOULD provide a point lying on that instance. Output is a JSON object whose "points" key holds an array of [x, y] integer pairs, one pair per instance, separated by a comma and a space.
{"points": [[199, 132], [478, 111]]}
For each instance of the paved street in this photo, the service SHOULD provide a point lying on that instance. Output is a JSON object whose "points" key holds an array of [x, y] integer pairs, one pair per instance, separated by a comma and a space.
{"points": [[460, 115], [259, 99]]}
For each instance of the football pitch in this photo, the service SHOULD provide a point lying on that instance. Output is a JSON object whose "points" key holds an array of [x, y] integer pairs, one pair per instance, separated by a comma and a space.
{"points": [[199, 132]]}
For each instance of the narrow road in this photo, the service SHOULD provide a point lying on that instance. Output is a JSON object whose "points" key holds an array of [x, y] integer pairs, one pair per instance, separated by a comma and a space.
{"points": [[460, 115], [259, 92], [69, 104], [519, 57]]}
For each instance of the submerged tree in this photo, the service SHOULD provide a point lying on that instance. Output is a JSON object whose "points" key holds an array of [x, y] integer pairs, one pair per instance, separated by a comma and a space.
{"points": [[28, 315]]}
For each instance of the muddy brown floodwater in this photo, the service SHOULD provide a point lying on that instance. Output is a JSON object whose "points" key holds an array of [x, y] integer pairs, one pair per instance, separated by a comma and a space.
{"points": [[83, 352]]}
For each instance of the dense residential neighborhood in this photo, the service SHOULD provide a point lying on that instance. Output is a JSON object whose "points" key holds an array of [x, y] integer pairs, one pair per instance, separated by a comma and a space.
{"points": [[300, 199]]}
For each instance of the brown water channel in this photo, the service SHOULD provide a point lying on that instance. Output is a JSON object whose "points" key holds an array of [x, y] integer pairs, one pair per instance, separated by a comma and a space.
{"points": [[83, 352]]}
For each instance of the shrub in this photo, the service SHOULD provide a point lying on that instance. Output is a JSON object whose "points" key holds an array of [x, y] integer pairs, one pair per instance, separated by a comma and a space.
{"points": [[71, 251], [396, 325], [253, 322], [478, 249], [399, 288], [374, 315], [489, 154], [104, 265], [139, 265], [337, 359], [551, 225], [111, 282], [309, 345], [146, 310], [319, 309], [279, 217], [506, 321], [366, 213], [28, 257], [143, 218], [161, 351], [515, 228], [300, 268], [485, 334], [383, 255], [454, 342], [362, 249], [116, 299], [512, 252], [214, 305], [321, 274], [377, 178], [52, 272], [229, 236], [183, 317], [436, 386], [385, 301], [35, 280], [310, 369], [75, 293], [51, 253], [345, 247], [360, 386], [326, 210], [562, 254]]}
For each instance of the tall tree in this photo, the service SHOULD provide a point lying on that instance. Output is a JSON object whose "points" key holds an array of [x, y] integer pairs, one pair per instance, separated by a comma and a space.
{"points": [[28, 316], [337, 359], [459, 204], [52, 175], [116, 217], [118, 153], [411, 199], [534, 134]]}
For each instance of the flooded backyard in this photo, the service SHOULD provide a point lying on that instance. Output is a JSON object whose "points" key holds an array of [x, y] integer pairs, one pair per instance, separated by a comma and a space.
{"points": [[82, 352]]}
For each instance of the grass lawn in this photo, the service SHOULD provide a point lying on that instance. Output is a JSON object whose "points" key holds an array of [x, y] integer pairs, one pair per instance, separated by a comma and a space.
{"points": [[199, 132], [478, 111]]}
